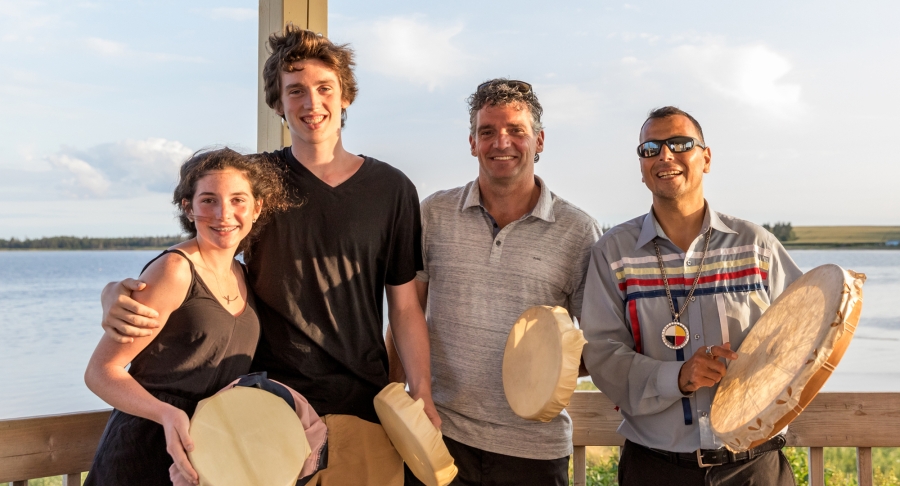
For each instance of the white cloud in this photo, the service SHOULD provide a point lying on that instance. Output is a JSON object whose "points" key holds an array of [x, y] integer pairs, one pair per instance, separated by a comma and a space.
{"points": [[750, 74], [568, 104], [20, 20], [106, 47], [123, 169], [111, 48], [410, 48], [87, 181], [233, 13]]}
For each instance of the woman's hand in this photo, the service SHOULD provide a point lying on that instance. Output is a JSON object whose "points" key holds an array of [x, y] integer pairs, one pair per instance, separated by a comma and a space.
{"points": [[176, 424]]}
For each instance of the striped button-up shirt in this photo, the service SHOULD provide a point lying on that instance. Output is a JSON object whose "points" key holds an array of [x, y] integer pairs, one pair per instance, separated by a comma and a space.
{"points": [[626, 308]]}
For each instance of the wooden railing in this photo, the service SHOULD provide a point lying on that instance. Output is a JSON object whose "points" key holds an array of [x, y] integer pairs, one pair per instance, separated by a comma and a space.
{"points": [[64, 444], [861, 420]]}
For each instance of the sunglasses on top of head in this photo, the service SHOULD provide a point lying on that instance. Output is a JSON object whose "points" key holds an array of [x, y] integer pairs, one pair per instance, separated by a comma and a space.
{"points": [[677, 145], [520, 86]]}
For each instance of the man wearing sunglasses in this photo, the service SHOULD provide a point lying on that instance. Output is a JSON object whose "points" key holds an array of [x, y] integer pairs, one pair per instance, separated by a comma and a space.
{"points": [[668, 295], [493, 248]]}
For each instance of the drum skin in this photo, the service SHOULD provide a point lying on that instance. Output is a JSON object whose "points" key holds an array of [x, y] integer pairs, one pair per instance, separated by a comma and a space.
{"points": [[786, 358], [540, 363], [247, 436], [419, 443]]}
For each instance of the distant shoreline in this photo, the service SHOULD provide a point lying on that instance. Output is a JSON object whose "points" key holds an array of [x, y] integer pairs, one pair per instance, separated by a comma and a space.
{"points": [[802, 238], [74, 243]]}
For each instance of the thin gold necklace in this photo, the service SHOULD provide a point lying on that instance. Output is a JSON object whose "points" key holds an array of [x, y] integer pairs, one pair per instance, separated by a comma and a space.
{"points": [[228, 299]]}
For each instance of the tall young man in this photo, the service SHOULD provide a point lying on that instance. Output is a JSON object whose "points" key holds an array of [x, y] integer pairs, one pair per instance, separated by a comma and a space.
{"points": [[322, 268], [656, 332], [493, 248]]}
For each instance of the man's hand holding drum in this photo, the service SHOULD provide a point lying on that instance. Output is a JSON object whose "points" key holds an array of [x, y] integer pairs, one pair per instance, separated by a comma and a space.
{"points": [[704, 368]]}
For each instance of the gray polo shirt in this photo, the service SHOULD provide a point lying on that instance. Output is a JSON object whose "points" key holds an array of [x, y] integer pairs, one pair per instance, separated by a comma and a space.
{"points": [[478, 285], [626, 308]]}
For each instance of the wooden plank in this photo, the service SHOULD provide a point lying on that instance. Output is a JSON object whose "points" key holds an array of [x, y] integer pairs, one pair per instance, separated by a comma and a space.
{"points": [[864, 466], [20, 483], [72, 479], [318, 16], [816, 466], [594, 420], [832, 420], [49, 446], [848, 420], [579, 466], [268, 124], [295, 12]]}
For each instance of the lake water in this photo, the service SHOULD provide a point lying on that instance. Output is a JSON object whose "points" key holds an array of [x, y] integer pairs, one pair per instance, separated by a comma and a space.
{"points": [[50, 314]]}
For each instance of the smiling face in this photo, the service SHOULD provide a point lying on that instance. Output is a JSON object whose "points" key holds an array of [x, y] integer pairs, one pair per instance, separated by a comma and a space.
{"points": [[505, 143], [223, 208], [670, 176], [311, 102]]}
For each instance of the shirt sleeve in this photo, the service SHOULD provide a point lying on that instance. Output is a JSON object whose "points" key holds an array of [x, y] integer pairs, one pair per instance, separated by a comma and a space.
{"points": [[422, 275], [405, 255], [639, 385], [782, 269], [579, 273]]}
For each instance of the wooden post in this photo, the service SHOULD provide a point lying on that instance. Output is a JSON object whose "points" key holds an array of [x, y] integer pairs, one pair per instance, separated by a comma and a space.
{"points": [[864, 470], [274, 15], [816, 466], [579, 466], [72, 479]]}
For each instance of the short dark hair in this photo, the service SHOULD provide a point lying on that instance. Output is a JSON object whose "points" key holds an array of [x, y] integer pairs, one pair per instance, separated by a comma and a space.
{"points": [[667, 111], [500, 92], [297, 44], [264, 178]]}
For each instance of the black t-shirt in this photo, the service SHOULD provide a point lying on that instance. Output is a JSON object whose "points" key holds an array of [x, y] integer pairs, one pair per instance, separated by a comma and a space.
{"points": [[319, 270]]}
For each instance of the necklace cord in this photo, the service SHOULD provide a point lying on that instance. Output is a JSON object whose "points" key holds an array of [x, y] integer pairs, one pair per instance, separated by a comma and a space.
{"points": [[677, 315], [216, 277]]}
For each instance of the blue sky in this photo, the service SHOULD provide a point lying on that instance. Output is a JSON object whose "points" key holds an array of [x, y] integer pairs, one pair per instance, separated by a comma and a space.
{"points": [[100, 101]]}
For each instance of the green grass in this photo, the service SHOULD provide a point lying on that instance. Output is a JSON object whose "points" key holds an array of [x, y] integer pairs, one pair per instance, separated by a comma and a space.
{"points": [[827, 236], [840, 466], [51, 481]]}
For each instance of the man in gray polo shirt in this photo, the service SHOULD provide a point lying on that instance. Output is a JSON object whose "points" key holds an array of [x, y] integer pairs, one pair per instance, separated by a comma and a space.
{"points": [[668, 295], [493, 248]]}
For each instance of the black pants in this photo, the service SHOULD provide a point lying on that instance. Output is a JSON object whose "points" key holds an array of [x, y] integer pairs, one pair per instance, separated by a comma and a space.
{"points": [[639, 467], [483, 468]]}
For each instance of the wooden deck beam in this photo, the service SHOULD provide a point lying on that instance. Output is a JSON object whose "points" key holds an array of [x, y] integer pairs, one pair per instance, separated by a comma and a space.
{"points": [[274, 15]]}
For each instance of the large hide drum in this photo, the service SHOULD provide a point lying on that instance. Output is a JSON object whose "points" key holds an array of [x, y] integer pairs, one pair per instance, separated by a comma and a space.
{"points": [[540, 363], [247, 436], [419, 443], [787, 357]]}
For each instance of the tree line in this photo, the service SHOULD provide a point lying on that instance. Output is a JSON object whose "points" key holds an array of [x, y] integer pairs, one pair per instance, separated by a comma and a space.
{"points": [[782, 231], [86, 243]]}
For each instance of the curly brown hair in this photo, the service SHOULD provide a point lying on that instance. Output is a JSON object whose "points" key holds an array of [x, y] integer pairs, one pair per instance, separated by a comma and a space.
{"points": [[297, 44], [264, 178], [504, 92]]}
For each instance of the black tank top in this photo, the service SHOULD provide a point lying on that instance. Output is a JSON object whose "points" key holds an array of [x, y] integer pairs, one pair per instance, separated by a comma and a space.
{"points": [[202, 347]]}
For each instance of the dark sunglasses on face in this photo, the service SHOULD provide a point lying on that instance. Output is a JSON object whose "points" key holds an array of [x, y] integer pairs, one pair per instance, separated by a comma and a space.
{"points": [[677, 145], [520, 86]]}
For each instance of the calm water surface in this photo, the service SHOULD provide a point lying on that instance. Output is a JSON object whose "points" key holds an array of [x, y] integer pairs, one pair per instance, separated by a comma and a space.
{"points": [[50, 313]]}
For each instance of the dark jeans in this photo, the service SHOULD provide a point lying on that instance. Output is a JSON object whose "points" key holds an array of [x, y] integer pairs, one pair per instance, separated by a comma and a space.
{"points": [[638, 467], [483, 468]]}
